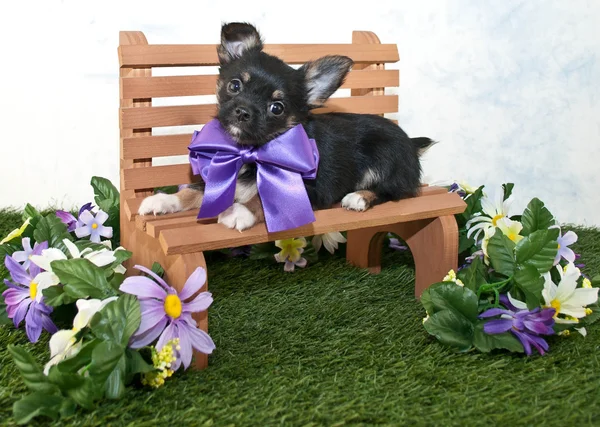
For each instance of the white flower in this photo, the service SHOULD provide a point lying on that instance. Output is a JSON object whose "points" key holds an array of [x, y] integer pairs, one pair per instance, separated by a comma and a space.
{"points": [[99, 258], [329, 240], [492, 213], [487, 235], [451, 277], [510, 229], [63, 344], [566, 298], [47, 278]]}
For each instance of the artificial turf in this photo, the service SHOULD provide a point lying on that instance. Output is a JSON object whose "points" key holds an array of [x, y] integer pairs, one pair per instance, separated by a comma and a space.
{"points": [[333, 345]]}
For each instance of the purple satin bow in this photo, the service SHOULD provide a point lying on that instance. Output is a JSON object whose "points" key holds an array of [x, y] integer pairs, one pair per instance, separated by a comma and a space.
{"points": [[282, 164]]}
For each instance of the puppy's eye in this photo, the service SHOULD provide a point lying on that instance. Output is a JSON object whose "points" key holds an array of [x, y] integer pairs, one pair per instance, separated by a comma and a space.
{"points": [[234, 86], [276, 108]]}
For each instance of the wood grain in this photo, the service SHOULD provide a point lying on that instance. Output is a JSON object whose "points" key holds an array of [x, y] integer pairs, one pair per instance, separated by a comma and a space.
{"points": [[167, 86], [214, 236], [175, 55], [183, 115]]}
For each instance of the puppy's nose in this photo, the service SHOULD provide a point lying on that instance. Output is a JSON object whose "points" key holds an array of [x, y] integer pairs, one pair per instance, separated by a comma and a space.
{"points": [[242, 114]]}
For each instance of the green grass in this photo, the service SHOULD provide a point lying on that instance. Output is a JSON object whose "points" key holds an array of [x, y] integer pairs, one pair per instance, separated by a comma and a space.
{"points": [[333, 345]]}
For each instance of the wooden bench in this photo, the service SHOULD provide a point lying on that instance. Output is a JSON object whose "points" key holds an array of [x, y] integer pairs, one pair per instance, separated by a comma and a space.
{"points": [[178, 240]]}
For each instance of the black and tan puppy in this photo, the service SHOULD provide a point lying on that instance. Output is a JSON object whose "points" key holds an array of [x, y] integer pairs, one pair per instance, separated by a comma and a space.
{"points": [[364, 159]]}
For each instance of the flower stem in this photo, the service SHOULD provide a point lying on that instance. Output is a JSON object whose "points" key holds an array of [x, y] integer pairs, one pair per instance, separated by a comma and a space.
{"points": [[493, 287]]}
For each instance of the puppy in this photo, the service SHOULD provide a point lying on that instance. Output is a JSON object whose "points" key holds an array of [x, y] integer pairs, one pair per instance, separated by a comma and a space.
{"points": [[364, 159]]}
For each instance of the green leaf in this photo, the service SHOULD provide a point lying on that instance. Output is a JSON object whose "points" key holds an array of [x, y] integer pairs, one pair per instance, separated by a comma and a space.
{"points": [[30, 212], [451, 328], [593, 316], [596, 281], [37, 404], [450, 296], [263, 251], [507, 188], [116, 280], [85, 244], [56, 295], [538, 249], [488, 342], [115, 383], [474, 275], [106, 194], [105, 358], [50, 229], [464, 243], [158, 269], [121, 256], [82, 279], [118, 320], [426, 298], [32, 373], [136, 364], [78, 387], [473, 202], [536, 217], [81, 359], [531, 283], [501, 252]]}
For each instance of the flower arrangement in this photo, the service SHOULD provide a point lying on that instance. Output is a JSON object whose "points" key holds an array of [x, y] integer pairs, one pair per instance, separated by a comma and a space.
{"points": [[518, 284], [126, 330]]}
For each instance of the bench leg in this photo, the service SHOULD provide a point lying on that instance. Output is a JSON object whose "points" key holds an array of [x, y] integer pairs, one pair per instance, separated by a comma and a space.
{"points": [[433, 243], [177, 271]]}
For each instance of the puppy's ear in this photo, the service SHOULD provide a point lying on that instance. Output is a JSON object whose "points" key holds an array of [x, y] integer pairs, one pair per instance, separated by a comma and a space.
{"points": [[236, 39], [324, 76]]}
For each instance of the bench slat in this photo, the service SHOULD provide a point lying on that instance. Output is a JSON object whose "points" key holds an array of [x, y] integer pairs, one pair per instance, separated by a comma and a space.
{"points": [[158, 87], [170, 55], [214, 236], [182, 115], [156, 176], [153, 225]]}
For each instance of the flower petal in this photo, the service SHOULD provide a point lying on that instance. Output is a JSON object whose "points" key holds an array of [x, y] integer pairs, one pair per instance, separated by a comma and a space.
{"points": [[567, 253], [18, 313], [14, 296], [154, 276], [497, 326], [60, 341], [289, 266], [168, 334], [582, 331], [73, 250], [317, 242], [568, 238], [33, 324], [193, 284], [101, 217], [105, 232], [148, 337], [494, 312], [185, 343], [83, 231], [17, 271], [152, 312], [86, 217], [200, 303], [518, 304], [101, 258], [200, 340], [582, 297], [301, 262], [143, 287]]}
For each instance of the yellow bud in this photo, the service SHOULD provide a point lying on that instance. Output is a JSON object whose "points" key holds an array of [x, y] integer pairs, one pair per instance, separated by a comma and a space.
{"points": [[565, 333], [588, 311], [586, 283]]}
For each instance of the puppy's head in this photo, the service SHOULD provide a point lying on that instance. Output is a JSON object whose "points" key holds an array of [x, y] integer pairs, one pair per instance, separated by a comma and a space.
{"points": [[260, 96]]}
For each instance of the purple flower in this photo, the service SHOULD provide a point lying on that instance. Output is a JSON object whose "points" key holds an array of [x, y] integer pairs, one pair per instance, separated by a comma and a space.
{"points": [[20, 298], [24, 255], [564, 240], [526, 325], [164, 313], [395, 244], [69, 220], [93, 226]]}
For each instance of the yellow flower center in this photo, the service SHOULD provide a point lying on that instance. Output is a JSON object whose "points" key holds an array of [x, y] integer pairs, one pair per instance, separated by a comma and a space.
{"points": [[173, 306], [588, 311], [496, 218], [512, 236], [555, 304], [290, 250], [94, 226], [33, 290], [559, 246]]}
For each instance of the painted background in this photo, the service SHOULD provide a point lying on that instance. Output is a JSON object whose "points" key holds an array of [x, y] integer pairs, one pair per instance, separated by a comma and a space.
{"points": [[510, 88]]}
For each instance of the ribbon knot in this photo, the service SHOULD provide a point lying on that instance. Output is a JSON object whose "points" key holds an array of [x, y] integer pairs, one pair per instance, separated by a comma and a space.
{"points": [[282, 164]]}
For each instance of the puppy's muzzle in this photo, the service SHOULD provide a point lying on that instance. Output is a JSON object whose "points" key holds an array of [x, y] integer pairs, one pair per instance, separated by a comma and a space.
{"points": [[242, 114]]}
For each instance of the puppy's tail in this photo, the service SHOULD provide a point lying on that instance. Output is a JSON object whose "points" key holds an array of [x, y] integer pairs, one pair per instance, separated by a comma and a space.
{"points": [[422, 144]]}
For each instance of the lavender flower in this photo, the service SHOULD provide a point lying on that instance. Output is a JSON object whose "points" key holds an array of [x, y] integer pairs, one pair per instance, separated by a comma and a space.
{"points": [[93, 226], [526, 325], [20, 298], [24, 256], [565, 240], [395, 245], [164, 313], [69, 220], [291, 253]]}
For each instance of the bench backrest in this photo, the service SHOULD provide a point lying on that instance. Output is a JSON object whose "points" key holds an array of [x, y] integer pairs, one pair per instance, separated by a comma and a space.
{"points": [[142, 138]]}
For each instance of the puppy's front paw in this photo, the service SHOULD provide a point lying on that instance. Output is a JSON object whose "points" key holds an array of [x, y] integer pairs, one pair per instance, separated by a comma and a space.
{"points": [[237, 216], [160, 204], [355, 202]]}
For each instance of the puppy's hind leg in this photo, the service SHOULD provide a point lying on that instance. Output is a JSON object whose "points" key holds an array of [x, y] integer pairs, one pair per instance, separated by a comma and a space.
{"points": [[183, 200]]}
